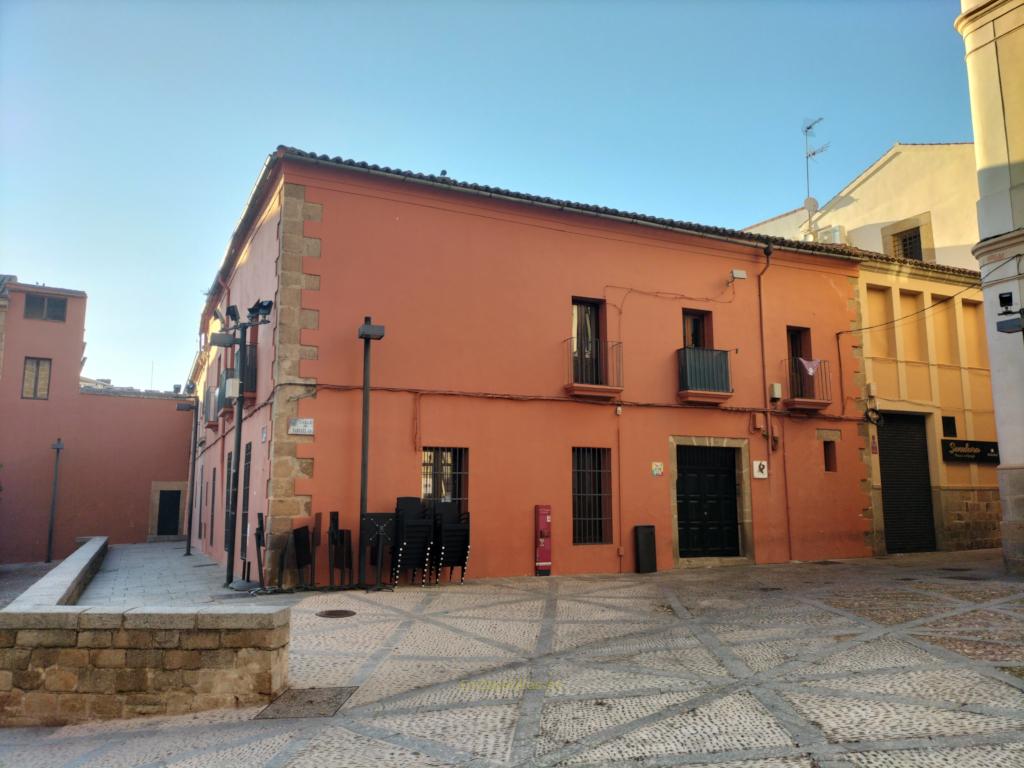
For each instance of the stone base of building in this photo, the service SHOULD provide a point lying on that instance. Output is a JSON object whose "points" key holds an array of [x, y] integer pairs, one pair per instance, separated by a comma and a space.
{"points": [[969, 518], [1011, 497]]}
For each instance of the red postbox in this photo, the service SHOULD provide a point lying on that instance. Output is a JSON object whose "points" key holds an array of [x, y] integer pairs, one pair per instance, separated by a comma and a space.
{"points": [[542, 517]]}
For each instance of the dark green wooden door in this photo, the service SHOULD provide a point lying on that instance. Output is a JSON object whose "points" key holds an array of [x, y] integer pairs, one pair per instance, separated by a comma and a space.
{"points": [[706, 502]]}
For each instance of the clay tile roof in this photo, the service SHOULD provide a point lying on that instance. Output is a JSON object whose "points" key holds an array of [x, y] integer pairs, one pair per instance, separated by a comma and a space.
{"points": [[841, 251]]}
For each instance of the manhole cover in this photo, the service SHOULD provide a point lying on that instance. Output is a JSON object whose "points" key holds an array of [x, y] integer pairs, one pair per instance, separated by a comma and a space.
{"points": [[956, 569], [306, 702], [335, 614], [825, 562], [204, 565], [907, 578], [770, 589]]}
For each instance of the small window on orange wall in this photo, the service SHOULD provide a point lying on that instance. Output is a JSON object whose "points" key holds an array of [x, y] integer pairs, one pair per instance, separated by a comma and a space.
{"points": [[830, 455]]}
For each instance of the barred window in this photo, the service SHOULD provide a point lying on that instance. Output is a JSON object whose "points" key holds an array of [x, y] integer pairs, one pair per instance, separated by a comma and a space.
{"points": [[907, 244], [445, 476], [591, 495], [35, 381]]}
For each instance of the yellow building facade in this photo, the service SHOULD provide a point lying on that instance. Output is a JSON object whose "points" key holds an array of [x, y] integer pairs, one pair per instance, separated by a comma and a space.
{"points": [[928, 387]]}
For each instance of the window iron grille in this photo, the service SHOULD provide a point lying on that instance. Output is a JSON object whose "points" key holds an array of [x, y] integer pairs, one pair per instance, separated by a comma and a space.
{"points": [[907, 244], [445, 476], [591, 495]]}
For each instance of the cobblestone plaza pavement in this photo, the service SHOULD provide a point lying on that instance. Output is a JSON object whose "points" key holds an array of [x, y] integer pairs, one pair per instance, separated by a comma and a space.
{"points": [[902, 661]]}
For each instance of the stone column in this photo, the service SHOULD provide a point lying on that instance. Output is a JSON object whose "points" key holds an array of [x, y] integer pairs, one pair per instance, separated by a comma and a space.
{"points": [[993, 32], [286, 466]]}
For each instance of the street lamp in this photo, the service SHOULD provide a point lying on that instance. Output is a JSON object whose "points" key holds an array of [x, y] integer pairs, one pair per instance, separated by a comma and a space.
{"points": [[57, 447], [237, 335], [367, 332], [191, 405]]}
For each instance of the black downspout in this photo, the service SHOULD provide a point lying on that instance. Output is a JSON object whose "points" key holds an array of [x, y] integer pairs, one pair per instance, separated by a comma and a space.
{"points": [[192, 472], [232, 520]]}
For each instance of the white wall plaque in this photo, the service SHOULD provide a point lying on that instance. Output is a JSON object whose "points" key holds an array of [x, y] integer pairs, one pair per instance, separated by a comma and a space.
{"points": [[760, 470], [300, 426], [657, 468]]}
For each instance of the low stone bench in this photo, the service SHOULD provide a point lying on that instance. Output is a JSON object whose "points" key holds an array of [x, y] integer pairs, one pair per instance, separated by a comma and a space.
{"points": [[63, 664]]}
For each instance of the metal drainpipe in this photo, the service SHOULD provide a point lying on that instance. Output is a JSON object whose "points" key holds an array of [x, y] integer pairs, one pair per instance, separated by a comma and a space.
{"points": [[232, 517], [769, 430], [192, 472]]}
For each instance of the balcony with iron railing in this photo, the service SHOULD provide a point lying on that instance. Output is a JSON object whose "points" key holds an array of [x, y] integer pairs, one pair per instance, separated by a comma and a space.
{"points": [[210, 408], [250, 372], [703, 375], [809, 382], [594, 368], [223, 403]]}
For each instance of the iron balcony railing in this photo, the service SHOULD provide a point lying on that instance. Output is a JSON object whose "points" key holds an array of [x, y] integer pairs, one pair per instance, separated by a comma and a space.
{"points": [[210, 406], [594, 362], [223, 403], [250, 371], [704, 370], [809, 379]]}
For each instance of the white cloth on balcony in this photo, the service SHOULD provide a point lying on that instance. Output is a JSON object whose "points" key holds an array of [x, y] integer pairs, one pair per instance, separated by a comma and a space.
{"points": [[811, 366]]}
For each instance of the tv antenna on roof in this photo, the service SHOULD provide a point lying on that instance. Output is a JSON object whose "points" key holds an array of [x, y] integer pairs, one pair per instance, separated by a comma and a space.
{"points": [[810, 204]]}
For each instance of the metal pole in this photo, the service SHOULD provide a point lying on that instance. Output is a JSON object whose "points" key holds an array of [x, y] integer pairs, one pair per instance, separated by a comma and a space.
{"points": [[192, 473], [241, 341], [366, 426], [57, 447]]}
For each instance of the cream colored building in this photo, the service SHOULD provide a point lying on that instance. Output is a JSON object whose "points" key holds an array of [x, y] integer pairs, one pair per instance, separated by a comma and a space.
{"points": [[927, 373], [915, 201], [993, 32]]}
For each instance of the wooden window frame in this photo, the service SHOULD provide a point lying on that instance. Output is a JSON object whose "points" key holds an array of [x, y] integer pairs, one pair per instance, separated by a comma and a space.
{"points": [[35, 378]]}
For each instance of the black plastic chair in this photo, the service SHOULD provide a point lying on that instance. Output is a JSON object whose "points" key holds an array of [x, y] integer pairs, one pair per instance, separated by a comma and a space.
{"points": [[452, 545], [413, 550]]}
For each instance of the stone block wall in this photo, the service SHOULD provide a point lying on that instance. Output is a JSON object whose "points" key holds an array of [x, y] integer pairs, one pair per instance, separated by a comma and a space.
{"points": [[970, 518], [70, 664]]}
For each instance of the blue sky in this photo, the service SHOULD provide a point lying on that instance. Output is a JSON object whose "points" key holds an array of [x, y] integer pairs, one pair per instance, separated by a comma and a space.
{"points": [[132, 132]]}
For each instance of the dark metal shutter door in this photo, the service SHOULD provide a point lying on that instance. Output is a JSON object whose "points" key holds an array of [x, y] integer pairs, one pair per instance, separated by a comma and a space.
{"points": [[906, 486]]}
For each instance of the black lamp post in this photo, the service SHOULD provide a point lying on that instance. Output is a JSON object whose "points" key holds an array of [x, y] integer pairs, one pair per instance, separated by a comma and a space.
{"points": [[238, 336], [192, 405], [367, 332], [57, 447]]}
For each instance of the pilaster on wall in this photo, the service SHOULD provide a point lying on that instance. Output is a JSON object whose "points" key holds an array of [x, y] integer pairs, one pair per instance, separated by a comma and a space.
{"points": [[872, 513], [286, 464]]}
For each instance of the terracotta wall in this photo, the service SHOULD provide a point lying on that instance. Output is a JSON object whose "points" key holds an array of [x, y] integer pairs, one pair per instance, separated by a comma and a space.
{"points": [[476, 296], [253, 279], [116, 447]]}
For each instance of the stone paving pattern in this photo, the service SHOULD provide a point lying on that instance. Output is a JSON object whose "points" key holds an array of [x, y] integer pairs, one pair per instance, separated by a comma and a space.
{"points": [[912, 661]]}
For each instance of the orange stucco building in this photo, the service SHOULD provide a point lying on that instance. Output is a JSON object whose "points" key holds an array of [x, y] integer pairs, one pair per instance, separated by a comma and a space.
{"points": [[622, 369], [123, 469]]}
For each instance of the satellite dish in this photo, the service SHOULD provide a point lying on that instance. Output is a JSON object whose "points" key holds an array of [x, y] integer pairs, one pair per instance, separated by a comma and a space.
{"points": [[811, 205]]}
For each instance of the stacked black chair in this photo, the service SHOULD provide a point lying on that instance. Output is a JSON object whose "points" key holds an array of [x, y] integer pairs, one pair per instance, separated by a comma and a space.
{"points": [[414, 539], [451, 540], [339, 552]]}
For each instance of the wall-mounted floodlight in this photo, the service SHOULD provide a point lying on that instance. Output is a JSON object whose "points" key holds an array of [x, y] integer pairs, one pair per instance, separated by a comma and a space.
{"points": [[370, 332], [260, 309], [737, 274], [218, 316], [221, 339], [233, 315]]}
